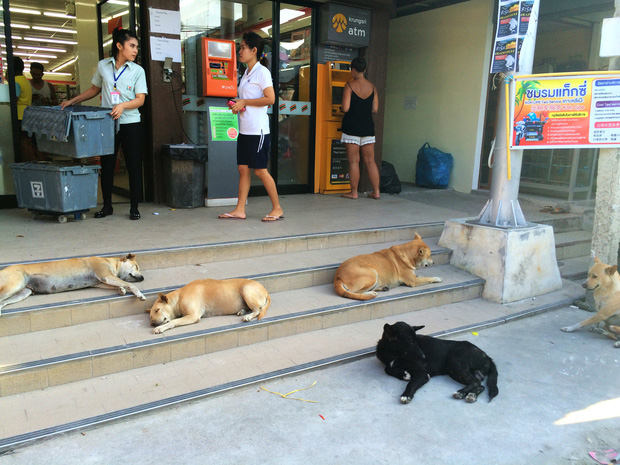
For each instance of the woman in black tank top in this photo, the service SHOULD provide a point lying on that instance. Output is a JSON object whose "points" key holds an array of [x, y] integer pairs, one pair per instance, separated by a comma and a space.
{"points": [[359, 102]]}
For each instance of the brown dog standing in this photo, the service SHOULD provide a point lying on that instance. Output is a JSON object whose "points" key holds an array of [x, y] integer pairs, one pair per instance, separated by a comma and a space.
{"points": [[604, 280], [361, 276], [209, 297]]}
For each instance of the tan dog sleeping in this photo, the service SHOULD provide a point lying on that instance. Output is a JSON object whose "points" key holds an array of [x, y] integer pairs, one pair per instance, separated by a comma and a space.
{"points": [[209, 297], [19, 281], [361, 276], [604, 280]]}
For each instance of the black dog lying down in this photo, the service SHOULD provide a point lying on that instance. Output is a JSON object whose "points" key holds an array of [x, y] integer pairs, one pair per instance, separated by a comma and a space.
{"points": [[415, 358]]}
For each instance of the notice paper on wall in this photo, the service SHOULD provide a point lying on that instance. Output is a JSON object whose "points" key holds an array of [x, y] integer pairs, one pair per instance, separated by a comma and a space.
{"points": [[513, 18], [164, 21], [162, 48]]}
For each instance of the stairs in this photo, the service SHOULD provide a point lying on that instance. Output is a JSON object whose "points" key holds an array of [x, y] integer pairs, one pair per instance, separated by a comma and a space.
{"points": [[73, 360]]}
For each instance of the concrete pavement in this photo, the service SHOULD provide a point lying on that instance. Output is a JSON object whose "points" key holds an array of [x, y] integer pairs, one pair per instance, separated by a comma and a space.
{"points": [[558, 400]]}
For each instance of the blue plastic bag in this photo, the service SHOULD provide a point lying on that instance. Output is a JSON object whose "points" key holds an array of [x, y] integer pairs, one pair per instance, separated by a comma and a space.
{"points": [[432, 169]]}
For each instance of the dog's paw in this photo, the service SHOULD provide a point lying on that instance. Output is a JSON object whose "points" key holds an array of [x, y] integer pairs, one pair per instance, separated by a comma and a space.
{"points": [[405, 399], [247, 318], [122, 291], [437, 279], [406, 376], [159, 330], [458, 395], [141, 297], [567, 329], [617, 345], [471, 398]]}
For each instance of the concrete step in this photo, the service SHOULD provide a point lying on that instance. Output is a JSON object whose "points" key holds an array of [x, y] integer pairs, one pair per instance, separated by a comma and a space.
{"points": [[319, 253], [110, 397], [572, 244], [575, 269], [280, 272], [160, 258], [38, 360]]}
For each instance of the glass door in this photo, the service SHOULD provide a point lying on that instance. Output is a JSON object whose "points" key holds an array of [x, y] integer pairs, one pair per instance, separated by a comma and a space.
{"points": [[292, 149]]}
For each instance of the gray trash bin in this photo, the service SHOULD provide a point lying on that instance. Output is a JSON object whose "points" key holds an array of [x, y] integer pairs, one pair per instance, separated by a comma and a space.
{"points": [[184, 174], [78, 131]]}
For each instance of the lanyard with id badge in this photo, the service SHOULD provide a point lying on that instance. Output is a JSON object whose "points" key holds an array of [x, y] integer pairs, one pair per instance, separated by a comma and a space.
{"points": [[115, 95]]}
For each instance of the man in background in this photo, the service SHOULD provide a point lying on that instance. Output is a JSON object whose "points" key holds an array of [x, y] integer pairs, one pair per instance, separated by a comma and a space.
{"points": [[43, 92]]}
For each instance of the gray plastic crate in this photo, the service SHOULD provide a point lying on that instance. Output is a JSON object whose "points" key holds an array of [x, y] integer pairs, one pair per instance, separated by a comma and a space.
{"points": [[54, 188], [78, 131]]}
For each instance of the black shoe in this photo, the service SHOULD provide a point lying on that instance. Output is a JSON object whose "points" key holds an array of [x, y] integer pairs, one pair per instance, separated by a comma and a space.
{"points": [[134, 214], [105, 211]]}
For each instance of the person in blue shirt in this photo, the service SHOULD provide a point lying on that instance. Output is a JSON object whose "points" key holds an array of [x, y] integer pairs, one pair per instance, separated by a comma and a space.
{"points": [[122, 84]]}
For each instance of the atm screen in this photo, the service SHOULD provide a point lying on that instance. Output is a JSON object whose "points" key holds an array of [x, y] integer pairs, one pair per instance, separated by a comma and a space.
{"points": [[337, 93], [220, 49]]}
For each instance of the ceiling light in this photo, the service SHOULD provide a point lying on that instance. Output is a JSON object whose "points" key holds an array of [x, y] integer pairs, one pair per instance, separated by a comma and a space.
{"points": [[42, 49], [122, 13], [105, 44], [64, 65], [13, 36], [39, 55], [118, 2], [56, 41], [36, 61], [47, 73], [54, 29], [57, 15], [20, 26], [24, 10]]}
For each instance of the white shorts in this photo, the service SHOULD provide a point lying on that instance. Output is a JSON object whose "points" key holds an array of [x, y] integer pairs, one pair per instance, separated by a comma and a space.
{"points": [[357, 140]]}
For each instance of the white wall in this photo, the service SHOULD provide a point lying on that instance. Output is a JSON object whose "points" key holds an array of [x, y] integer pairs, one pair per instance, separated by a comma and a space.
{"points": [[442, 59]]}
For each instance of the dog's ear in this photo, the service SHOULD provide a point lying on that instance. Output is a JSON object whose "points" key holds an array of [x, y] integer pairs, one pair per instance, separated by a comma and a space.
{"points": [[148, 310], [417, 236], [130, 256], [387, 330], [421, 251], [611, 270], [417, 328], [596, 260], [163, 297]]}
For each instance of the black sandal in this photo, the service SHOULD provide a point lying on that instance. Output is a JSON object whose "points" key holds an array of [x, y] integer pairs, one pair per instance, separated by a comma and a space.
{"points": [[134, 214]]}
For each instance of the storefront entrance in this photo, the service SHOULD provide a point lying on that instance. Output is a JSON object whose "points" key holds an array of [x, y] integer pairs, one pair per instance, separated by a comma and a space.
{"points": [[288, 32]]}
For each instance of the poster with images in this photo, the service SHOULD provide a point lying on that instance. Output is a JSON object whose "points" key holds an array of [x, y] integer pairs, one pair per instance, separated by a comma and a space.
{"points": [[578, 111], [512, 25]]}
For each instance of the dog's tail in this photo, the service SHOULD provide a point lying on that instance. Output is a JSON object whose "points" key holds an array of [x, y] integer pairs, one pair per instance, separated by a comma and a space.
{"points": [[492, 380], [264, 307], [342, 291]]}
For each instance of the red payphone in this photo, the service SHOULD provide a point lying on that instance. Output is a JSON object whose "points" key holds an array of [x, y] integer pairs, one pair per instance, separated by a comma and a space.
{"points": [[217, 70]]}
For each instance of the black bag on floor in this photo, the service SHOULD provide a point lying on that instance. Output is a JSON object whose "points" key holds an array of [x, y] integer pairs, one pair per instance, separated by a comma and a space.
{"points": [[432, 169], [389, 183]]}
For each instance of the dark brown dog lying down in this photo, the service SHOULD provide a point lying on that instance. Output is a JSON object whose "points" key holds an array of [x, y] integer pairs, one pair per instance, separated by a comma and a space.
{"points": [[361, 276]]}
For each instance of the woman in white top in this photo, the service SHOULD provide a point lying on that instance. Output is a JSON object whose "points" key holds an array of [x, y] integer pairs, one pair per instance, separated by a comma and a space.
{"points": [[255, 95], [122, 84]]}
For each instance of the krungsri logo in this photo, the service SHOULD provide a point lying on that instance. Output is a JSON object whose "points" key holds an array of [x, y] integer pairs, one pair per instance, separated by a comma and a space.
{"points": [[339, 22]]}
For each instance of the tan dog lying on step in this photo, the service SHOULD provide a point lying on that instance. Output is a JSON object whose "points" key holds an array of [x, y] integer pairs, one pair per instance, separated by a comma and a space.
{"points": [[604, 280], [19, 281], [361, 276], [209, 297]]}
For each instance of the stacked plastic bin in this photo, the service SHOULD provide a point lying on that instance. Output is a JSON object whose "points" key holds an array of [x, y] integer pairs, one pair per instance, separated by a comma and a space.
{"points": [[63, 189]]}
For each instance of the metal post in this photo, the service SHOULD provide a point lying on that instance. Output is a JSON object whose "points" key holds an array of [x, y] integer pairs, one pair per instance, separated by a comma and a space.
{"points": [[503, 209]]}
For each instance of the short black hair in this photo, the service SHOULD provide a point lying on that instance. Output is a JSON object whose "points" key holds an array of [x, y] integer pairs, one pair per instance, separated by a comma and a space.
{"points": [[37, 65], [18, 64]]}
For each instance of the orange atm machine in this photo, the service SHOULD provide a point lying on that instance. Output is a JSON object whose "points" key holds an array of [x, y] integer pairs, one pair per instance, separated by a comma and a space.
{"points": [[218, 63], [331, 171]]}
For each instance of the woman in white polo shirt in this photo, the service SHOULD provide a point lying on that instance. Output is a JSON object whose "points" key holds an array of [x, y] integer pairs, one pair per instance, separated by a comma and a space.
{"points": [[122, 84], [255, 95]]}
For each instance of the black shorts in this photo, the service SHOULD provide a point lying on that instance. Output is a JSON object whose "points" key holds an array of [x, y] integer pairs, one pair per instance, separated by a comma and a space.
{"points": [[253, 151]]}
